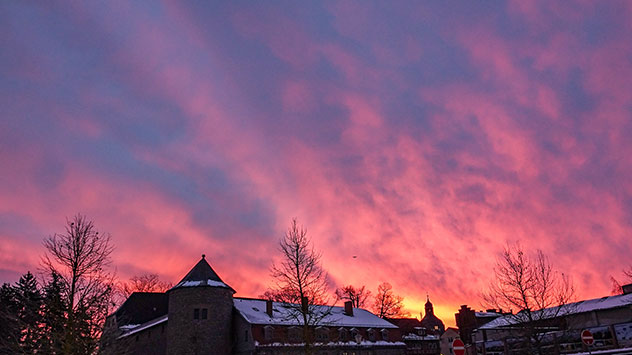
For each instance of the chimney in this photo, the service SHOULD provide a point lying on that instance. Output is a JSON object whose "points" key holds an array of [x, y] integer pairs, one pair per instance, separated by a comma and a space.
{"points": [[269, 308], [349, 308], [626, 289]]}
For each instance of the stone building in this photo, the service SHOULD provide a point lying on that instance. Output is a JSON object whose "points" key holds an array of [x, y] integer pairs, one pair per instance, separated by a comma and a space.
{"points": [[200, 315]]}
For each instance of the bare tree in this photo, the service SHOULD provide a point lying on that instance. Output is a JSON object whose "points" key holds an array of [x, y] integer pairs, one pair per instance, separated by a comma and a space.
{"points": [[144, 283], [530, 286], [357, 296], [617, 287], [387, 303], [301, 282], [80, 257]]}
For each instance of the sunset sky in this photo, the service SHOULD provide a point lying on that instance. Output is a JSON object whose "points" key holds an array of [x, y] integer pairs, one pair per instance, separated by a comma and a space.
{"points": [[420, 136]]}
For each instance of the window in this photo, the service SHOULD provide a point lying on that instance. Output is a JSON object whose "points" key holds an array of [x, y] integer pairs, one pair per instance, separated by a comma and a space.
{"points": [[204, 313], [196, 313], [384, 334], [246, 336], [354, 334]]}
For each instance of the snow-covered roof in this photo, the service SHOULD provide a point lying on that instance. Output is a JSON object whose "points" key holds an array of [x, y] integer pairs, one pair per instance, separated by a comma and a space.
{"points": [[254, 311], [420, 337], [569, 309], [487, 314], [202, 274], [144, 326], [196, 283], [363, 343]]}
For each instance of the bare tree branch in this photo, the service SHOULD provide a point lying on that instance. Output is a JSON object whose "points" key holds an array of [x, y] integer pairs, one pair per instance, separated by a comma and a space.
{"points": [[387, 304], [357, 296], [80, 257], [533, 289], [144, 283], [301, 283]]}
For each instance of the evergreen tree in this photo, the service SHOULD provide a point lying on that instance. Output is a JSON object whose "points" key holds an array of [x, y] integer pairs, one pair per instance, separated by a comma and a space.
{"points": [[29, 307], [54, 316], [9, 329]]}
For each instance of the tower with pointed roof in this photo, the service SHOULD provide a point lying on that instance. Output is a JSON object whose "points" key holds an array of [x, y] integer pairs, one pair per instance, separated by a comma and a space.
{"points": [[200, 313], [432, 324]]}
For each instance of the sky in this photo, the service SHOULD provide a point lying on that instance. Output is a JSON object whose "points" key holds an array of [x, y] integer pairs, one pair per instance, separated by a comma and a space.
{"points": [[420, 137]]}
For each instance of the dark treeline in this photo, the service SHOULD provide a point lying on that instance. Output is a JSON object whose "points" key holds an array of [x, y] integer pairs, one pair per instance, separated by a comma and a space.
{"points": [[64, 312], [33, 317]]}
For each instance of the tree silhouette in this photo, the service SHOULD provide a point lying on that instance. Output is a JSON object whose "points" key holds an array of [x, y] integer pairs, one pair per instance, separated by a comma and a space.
{"points": [[301, 282], [80, 257], [534, 289], [387, 304], [357, 296]]}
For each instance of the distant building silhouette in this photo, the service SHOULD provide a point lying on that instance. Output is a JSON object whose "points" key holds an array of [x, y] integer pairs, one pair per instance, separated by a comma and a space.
{"points": [[467, 320], [432, 324]]}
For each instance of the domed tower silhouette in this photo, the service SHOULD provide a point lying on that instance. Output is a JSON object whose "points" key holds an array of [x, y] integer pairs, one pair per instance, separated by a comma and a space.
{"points": [[432, 324], [200, 313]]}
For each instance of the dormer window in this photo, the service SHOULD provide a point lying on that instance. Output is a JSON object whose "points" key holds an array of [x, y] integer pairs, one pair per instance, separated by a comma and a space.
{"points": [[355, 333], [322, 334], [343, 334], [268, 333], [371, 333], [294, 334]]}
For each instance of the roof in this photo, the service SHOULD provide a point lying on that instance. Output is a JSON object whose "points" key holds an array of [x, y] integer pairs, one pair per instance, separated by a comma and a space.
{"points": [[202, 274], [254, 312], [407, 325], [142, 307], [144, 326], [487, 314], [569, 309], [430, 320]]}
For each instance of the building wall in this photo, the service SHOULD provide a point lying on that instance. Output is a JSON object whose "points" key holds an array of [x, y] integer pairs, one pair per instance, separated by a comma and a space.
{"points": [[603, 317], [281, 334], [446, 341], [187, 335], [151, 341], [243, 340], [333, 350]]}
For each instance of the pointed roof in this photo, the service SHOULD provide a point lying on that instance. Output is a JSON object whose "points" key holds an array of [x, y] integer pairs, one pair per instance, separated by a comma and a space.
{"points": [[202, 274]]}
